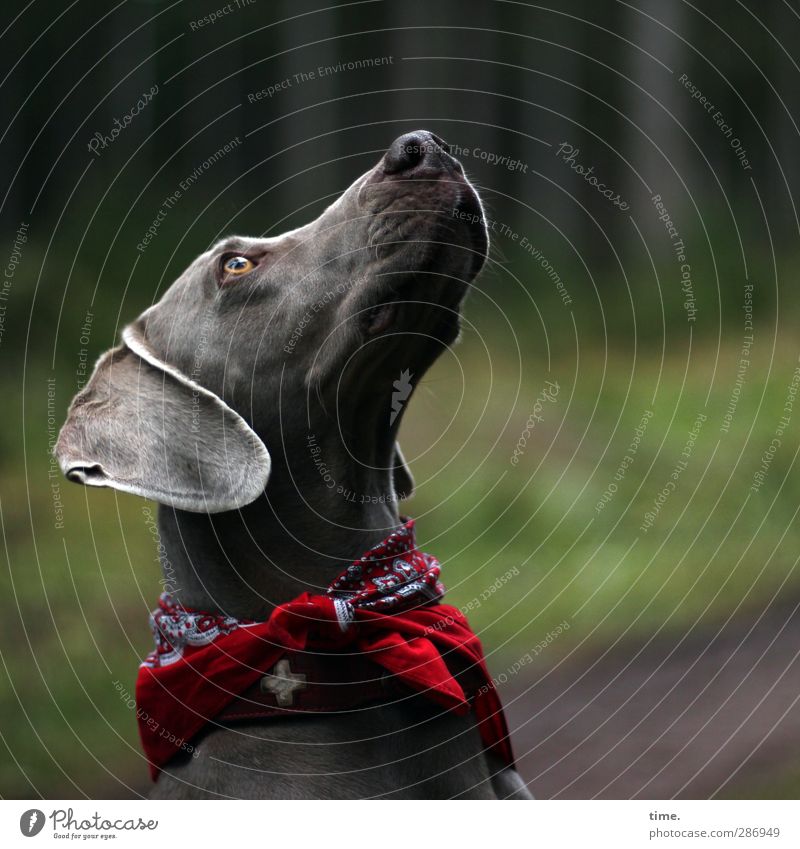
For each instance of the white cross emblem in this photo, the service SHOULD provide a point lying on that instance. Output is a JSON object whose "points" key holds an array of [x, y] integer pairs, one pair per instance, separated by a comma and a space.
{"points": [[282, 683]]}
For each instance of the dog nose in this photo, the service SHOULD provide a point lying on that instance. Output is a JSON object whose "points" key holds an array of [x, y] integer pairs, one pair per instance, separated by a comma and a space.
{"points": [[416, 149]]}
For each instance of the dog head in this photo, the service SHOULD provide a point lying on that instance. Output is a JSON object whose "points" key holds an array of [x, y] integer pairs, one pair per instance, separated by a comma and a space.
{"points": [[256, 331]]}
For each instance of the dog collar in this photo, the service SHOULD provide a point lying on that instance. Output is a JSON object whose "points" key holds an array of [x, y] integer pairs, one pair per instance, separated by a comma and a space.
{"points": [[378, 633]]}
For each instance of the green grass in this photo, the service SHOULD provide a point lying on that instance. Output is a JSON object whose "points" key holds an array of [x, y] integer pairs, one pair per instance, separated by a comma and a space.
{"points": [[714, 546], [75, 623], [784, 785]]}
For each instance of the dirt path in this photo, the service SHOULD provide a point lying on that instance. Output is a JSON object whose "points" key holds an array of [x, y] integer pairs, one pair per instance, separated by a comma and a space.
{"points": [[690, 720]]}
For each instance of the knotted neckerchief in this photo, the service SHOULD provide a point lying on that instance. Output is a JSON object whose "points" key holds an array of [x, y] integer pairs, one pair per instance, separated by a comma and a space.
{"points": [[385, 605]]}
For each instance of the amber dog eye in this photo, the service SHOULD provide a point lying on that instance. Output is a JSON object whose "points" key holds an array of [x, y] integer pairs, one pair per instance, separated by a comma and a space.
{"points": [[237, 265]]}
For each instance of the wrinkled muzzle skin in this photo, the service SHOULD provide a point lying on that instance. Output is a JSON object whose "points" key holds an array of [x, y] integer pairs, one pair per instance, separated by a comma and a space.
{"points": [[336, 308]]}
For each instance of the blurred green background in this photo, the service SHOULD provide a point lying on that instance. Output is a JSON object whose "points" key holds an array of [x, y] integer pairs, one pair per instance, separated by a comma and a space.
{"points": [[511, 79]]}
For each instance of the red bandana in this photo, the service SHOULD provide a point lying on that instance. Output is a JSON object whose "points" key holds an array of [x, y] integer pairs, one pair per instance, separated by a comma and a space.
{"points": [[385, 605]]}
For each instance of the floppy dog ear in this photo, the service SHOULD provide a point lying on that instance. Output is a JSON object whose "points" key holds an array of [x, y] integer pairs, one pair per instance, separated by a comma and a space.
{"points": [[401, 475], [143, 427]]}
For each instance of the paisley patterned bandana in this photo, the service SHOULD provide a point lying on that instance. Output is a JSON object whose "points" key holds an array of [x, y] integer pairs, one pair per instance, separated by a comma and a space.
{"points": [[393, 576], [386, 605]]}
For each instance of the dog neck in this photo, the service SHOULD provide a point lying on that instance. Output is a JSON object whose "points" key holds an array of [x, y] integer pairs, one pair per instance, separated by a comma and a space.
{"points": [[321, 510]]}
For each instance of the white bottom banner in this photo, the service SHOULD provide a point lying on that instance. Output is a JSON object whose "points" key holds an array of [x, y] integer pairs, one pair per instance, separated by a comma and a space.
{"points": [[356, 824]]}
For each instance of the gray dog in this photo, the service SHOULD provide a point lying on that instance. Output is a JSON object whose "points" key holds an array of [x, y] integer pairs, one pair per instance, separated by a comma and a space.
{"points": [[261, 351]]}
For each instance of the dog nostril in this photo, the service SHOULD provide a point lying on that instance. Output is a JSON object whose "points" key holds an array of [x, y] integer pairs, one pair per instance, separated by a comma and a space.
{"points": [[408, 151]]}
